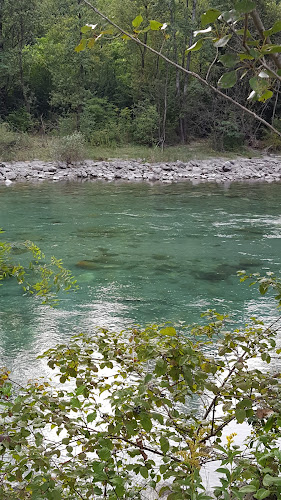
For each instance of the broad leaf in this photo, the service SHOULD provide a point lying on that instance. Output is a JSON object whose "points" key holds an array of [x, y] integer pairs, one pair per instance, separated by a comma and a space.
{"points": [[169, 331], [266, 95], [230, 16], [245, 56], [165, 445], [104, 454], [275, 29], [254, 83], [228, 60], [137, 21], [228, 80], [240, 415], [271, 49], [261, 494], [144, 472], [196, 46], [155, 25], [221, 42], [249, 488], [210, 16], [270, 480], [82, 45], [145, 422], [88, 27]]}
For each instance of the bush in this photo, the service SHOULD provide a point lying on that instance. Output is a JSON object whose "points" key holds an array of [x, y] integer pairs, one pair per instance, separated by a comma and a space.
{"points": [[99, 122], [71, 148], [67, 125], [145, 124], [226, 135], [11, 142], [21, 120]]}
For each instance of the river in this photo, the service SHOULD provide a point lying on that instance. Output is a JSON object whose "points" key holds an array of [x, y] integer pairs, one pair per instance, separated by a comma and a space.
{"points": [[141, 253]]}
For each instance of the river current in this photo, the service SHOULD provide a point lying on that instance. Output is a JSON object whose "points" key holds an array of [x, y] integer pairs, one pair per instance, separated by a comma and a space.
{"points": [[141, 253]]}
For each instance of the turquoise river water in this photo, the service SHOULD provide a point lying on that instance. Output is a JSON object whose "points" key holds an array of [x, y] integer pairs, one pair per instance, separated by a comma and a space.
{"points": [[141, 253]]}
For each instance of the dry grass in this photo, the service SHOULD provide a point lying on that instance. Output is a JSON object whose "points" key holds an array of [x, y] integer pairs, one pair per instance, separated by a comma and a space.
{"points": [[43, 148]]}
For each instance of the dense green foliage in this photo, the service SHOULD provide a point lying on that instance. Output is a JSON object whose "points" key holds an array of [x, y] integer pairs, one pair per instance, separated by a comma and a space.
{"points": [[118, 92]]}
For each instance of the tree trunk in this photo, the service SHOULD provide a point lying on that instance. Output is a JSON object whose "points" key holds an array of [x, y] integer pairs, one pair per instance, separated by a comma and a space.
{"points": [[183, 125]]}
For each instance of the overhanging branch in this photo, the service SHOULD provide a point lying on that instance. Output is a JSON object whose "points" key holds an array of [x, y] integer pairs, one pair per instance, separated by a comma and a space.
{"points": [[181, 68]]}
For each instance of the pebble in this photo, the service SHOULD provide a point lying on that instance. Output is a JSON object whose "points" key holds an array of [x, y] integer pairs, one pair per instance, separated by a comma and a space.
{"points": [[264, 169]]}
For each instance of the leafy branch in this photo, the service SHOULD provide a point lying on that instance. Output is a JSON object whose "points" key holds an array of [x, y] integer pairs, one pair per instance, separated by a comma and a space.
{"points": [[226, 81]]}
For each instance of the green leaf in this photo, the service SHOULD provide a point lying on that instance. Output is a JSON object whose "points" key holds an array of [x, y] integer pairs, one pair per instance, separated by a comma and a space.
{"points": [[104, 454], [82, 45], [75, 403], [165, 445], [240, 415], [160, 367], [254, 84], [261, 494], [228, 80], [91, 417], [144, 472], [210, 16], [169, 331], [88, 27], [249, 488], [244, 57], [196, 46], [80, 390], [137, 21], [91, 43], [275, 29], [245, 6], [225, 471], [155, 25], [145, 422], [271, 480], [221, 42], [265, 96], [271, 49], [229, 60], [245, 403]]}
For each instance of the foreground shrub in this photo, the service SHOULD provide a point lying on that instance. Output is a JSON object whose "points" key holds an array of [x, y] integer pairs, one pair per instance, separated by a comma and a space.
{"points": [[141, 409], [70, 149]]}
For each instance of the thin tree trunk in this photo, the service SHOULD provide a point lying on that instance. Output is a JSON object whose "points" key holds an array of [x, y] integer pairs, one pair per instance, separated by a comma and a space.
{"points": [[22, 82], [275, 104], [183, 120], [193, 16]]}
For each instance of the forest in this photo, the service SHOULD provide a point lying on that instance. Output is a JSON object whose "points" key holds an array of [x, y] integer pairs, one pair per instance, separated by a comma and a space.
{"points": [[118, 92]]}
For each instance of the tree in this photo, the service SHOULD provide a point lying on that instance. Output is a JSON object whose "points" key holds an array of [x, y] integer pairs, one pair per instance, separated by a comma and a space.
{"points": [[257, 51]]}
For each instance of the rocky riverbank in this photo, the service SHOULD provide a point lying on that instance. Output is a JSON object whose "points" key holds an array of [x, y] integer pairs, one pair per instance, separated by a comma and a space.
{"points": [[266, 168]]}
